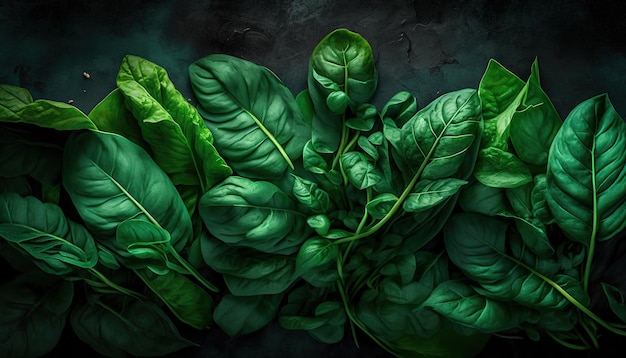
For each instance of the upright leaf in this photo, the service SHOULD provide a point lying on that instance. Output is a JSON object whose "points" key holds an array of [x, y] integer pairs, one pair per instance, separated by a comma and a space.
{"points": [[586, 177], [341, 72], [180, 142]]}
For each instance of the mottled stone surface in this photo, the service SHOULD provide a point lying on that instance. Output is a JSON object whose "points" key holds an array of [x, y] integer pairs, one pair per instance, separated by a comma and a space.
{"points": [[425, 47]]}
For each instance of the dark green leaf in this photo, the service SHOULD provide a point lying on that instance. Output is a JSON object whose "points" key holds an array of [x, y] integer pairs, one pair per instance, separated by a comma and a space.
{"points": [[33, 312], [255, 214], [586, 177], [238, 316], [500, 169], [256, 121], [125, 327], [110, 179]]}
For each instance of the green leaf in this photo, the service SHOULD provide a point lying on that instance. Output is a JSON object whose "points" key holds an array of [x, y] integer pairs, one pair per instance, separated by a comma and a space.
{"points": [[12, 99], [254, 214], [341, 69], [238, 316], [616, 300], [435, 141], [56, 245], [320, 223], [33, 312], [535, 125], [188, 301], [586, 177], [482, 199], [120, 326], [52, 114], [110, 179], [248, 272], [146, 242], [179, 141], [311, 196], [256, 121], [315, 252], [111, 115], [381, 205], [400, 108], [501, 93], [360, 171], [429, 193], [459, 303], [23, 154], [478, 245], [500, 169]]}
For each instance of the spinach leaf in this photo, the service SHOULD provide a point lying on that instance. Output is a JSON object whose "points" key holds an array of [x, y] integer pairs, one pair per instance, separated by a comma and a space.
{"points": [[58, 246], [189, 302], [478, 245], [248, 272], [111, 115], [586, 177], [180, 142], [342, 73], [33, 312], [255, 214], [239, 315], [256, 121], [123, 326], [110, 179]]}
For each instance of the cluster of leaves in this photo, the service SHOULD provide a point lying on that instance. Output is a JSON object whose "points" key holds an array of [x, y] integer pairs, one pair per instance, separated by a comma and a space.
{"points": [[480, 213]]}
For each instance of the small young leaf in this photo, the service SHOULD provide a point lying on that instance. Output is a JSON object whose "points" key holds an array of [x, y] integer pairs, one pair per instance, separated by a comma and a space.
{"points": [[315, 252], [320, 223]]}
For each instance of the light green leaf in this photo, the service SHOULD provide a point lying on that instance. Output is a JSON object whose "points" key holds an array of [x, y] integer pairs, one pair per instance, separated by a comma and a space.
{"points": [[500, 169]]}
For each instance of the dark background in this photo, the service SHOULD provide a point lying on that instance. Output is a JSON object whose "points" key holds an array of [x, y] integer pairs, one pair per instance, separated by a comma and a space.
{"points": [[425, 47]]}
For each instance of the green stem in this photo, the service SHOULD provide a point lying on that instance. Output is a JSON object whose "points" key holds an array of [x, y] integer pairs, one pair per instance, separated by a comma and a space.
{"points": [[594, 231], [573, 300], [565, 343], [115, 286], [193, 271]]}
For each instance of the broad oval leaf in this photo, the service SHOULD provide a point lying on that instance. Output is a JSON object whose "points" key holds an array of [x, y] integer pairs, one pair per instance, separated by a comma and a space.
{"points": [[56, 245], [586, 176], [110, 179], [33, 312], [434, 143], [315, 252], [479, 246], [341, 62], [237, 315], [255, 214], [13, 98], [311, 196], [459, 303], [188, 301], [56, 115], [127, 326], [361, 172], [248, 272], [255, 119]]}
